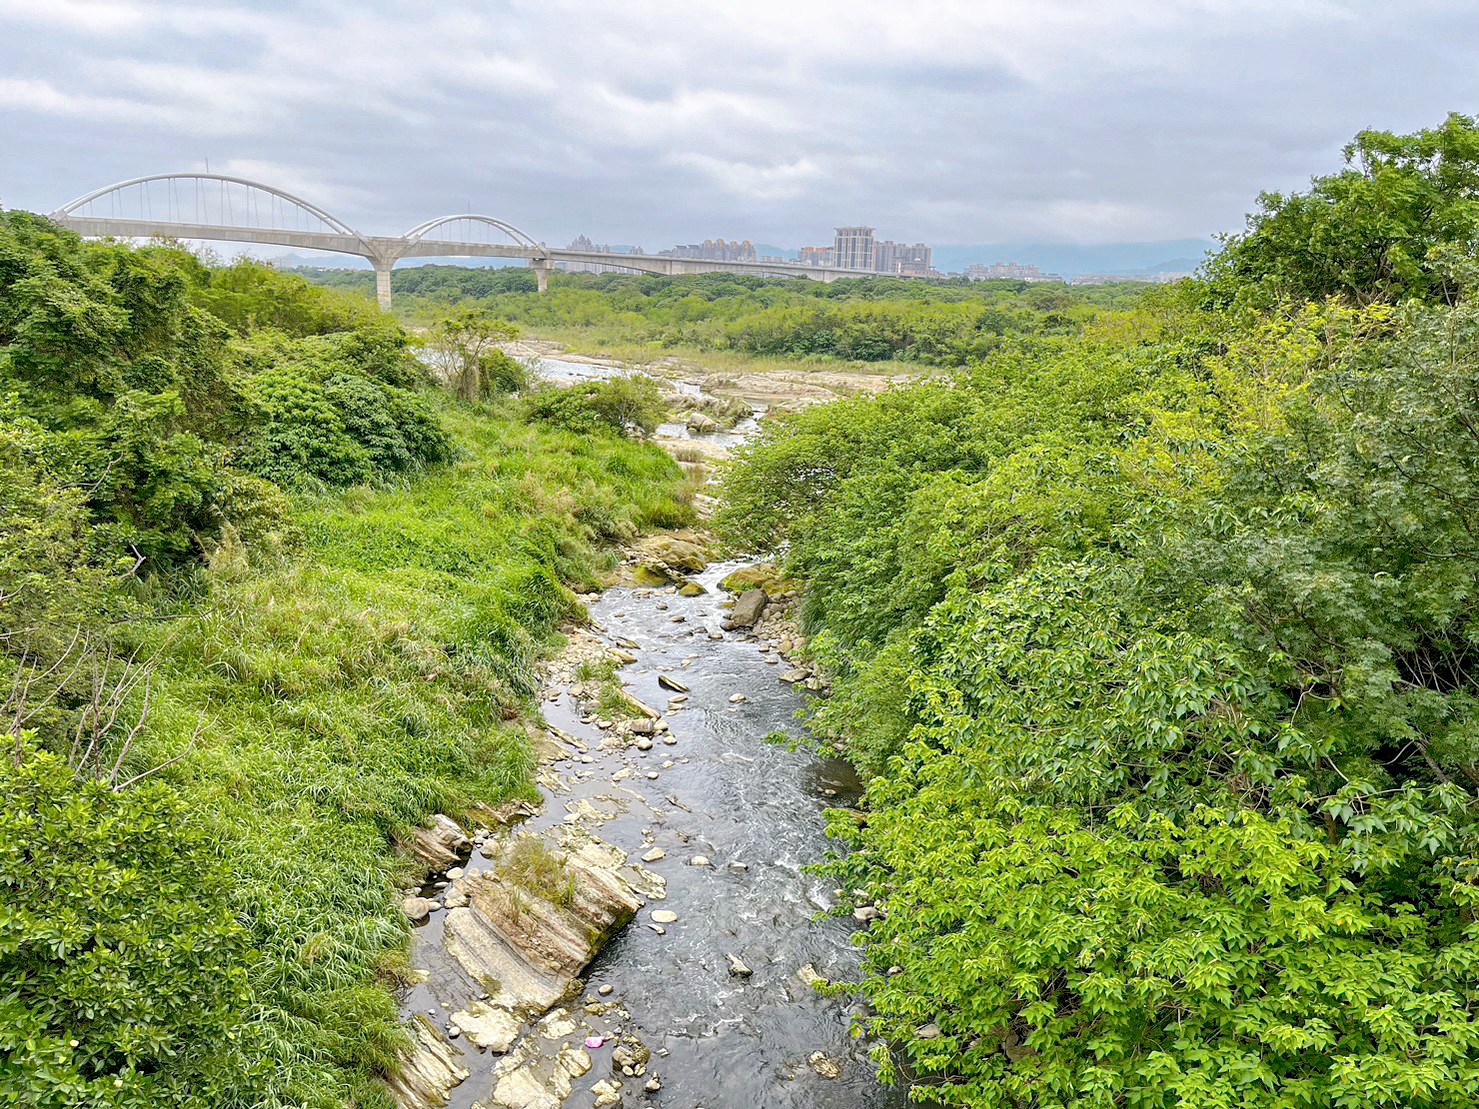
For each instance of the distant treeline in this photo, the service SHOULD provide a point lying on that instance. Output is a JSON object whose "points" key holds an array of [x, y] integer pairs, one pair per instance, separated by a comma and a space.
{"points": [[865, 320]]}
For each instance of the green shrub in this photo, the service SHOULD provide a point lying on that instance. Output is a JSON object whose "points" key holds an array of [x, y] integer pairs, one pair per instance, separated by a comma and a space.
{"points": [[619, 404], [123, 972]]}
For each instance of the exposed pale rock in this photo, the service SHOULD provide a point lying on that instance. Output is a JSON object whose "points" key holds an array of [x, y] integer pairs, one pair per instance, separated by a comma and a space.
{"points": [[669, 682], [824, 1064], [490, 1026], [737, 966], [440, 844], [428, 1071], [809, 976], [663, 916], [699, 860], [737, 698], [654, 855], [527, 951], [417, 908], [608, 1093]]}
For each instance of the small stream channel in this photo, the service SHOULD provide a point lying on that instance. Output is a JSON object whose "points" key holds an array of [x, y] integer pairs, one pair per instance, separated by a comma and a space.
{"points": [[710, 787]]}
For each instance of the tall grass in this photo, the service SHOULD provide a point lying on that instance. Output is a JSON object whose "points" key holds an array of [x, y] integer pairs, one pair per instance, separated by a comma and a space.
{"points": [[373, 677]]}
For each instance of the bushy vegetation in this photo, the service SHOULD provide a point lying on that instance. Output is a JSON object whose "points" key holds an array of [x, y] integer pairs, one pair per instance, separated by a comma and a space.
{"points": [[864, 320], [1157, 641], [267, 601]]}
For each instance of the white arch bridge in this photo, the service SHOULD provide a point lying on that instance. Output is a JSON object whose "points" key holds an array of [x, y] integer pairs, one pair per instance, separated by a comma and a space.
{"points": [[222, 208]]}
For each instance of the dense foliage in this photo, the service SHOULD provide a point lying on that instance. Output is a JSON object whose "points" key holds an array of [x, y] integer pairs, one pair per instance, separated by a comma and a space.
{"points": [[1157, 641], [864, 320], [267, 601]]}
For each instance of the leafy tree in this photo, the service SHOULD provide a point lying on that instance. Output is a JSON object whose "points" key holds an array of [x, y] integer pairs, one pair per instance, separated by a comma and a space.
{"points": [[464, 350], [1400, 221]]}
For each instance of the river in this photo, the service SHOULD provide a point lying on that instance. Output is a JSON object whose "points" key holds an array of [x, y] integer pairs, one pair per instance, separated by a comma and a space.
{"points": [[752, 812]]}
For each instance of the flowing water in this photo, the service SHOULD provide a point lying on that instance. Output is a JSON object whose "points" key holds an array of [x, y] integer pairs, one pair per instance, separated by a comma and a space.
{"points": [[712, 788]]}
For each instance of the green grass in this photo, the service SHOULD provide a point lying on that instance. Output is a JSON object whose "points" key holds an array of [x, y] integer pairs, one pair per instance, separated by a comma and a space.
{"points": [[373, 677]]}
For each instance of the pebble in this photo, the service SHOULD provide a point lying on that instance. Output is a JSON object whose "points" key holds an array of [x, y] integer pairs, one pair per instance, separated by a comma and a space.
{"points": [[456, 872], [678, 619], [699, 860], [644, 744], [670, 740], [654, 855], [653, 1085], [737, 698], [737, 967], [663, 916], [652, 775], [606, 990]]}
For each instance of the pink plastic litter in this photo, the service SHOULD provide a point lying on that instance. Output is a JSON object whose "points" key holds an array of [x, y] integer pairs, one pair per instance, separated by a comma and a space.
{"points": [[594, 1041]]}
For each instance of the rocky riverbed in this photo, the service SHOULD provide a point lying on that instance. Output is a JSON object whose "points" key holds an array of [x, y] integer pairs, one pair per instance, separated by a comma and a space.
{"points": [[672, 830]]}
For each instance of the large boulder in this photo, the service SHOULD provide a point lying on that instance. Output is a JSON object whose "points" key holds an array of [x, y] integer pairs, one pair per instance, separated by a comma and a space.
{"points": [[748, 608], [527, 947], [441, 844], [678, 555]]}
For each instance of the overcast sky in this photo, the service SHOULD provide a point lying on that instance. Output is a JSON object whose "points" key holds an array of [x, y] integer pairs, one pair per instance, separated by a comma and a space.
{"points": [[653, 123]]}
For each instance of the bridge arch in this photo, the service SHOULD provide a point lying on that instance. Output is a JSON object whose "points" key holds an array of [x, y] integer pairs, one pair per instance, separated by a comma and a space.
{"points": [[174, 202], [420, 231]]}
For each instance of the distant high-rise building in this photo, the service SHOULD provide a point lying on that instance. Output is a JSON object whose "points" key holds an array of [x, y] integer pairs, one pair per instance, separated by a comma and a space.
{"points": [[715, 250], [1011, 271], [903, 259], [816, 256], [583, 242], [852, 248]]}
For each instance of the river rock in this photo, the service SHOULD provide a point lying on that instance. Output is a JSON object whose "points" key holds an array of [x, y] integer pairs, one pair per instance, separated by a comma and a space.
{"points": [[701, 423], [790, 676], [644, 743], [528, 950], [440, 844], [428, 1071], [824, 1064], [673, 553], [663, 916], [699, 860], [489, 1026], [865, 913], [417, 908], [748, 609], [691, 589], [608, 1093], [642, 727], [669, 682], [737, 966], [630, 1057]]}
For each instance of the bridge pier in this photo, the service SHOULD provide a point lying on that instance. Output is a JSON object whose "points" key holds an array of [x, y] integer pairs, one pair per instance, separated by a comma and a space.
{"points": [[382, 281], [542, 268]]}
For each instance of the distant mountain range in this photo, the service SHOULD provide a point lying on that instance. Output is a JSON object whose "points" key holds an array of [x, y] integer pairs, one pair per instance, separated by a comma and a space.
{"points": [[1160, 256]]}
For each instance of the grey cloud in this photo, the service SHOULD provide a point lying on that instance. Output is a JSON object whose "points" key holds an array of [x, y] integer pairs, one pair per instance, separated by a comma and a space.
{"points": [[651, 122]]}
